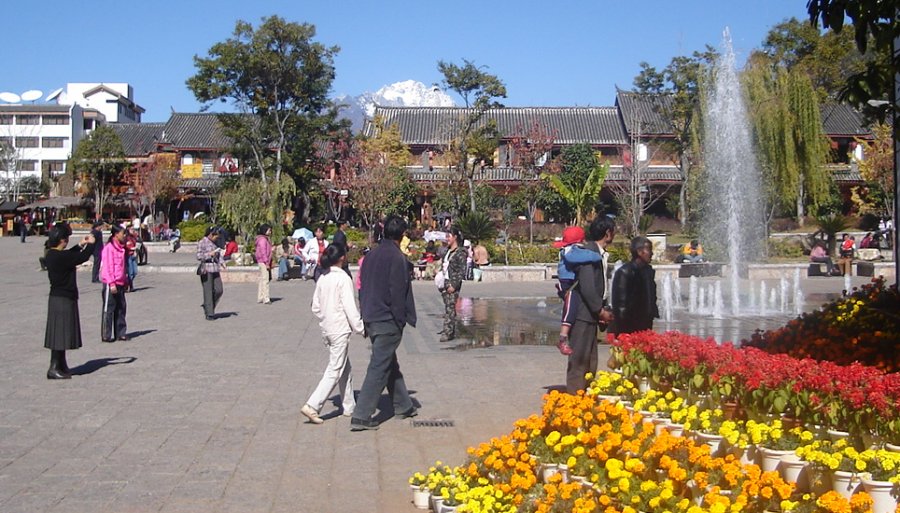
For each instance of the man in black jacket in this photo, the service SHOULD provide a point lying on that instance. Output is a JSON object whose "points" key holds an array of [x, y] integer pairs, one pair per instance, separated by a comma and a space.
{"points": [[591, 287], [386, 305], [634, 291]]}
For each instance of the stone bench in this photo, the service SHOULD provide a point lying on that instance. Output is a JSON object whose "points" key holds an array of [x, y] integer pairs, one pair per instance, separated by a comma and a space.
{"points": [[865, 269], [700, 269], [817, 269]]}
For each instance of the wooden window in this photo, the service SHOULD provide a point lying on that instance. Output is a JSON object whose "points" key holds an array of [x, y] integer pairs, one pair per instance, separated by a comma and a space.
{"points": [[56, 120], [6, 119], [53, 142], [53, 166], [26, 165], [26, 142], [28, 119]]}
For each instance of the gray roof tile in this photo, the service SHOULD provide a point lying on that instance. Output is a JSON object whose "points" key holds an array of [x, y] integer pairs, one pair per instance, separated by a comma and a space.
{"points": [[433, 126], [652, 111], [196, 131], [138, 139], [841, 119]]}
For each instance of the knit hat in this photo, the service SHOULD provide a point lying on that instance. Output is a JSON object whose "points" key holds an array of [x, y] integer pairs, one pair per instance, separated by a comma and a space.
{"points": [[571, 235]]}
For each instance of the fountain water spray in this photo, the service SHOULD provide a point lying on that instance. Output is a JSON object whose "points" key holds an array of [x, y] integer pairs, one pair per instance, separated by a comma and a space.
{"points": [[798, 294], [732, 172]]}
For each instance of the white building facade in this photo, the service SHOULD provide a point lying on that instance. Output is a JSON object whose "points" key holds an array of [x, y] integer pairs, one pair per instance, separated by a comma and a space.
{"points": [[40, 138]]}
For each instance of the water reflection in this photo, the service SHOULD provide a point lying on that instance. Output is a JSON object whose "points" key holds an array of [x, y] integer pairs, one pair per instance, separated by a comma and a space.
{"points": [[488, 322]]}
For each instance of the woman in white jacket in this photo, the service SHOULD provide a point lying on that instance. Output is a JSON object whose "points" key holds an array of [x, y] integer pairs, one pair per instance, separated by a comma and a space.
{"points": [[335, 305]]}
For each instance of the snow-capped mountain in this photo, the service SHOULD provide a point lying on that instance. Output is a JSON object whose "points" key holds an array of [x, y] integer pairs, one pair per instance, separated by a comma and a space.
{"points": [[409, 93]]}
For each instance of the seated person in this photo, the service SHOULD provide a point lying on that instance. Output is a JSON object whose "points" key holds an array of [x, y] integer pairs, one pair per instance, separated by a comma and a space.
{"points": [[282, 255], [867, 242], [231, 247], [297, 254], [428, 257], [820, 255], [692, 253], [847, 251]]}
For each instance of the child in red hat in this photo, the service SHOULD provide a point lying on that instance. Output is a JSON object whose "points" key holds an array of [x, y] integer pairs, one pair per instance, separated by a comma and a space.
{"points": [[571, 255]]}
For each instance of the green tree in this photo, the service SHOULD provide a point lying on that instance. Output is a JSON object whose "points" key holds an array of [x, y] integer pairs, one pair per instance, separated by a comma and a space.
{"points": [[279, 78], [828, 59], [875, 26], [98, 162], [579, 180], [472, 139], [789, 134], [681, 83]]}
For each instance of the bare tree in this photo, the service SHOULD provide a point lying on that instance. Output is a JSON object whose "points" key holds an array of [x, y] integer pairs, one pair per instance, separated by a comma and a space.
{"points": [[531, 149], [9, 163], [635, 192]]}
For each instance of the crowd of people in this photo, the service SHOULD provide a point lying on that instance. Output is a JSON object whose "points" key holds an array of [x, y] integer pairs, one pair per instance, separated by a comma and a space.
{"points": [[382, 288]]}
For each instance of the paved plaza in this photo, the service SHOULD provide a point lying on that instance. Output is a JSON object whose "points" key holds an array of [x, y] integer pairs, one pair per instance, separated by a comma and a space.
{"points": [[198, 416]]}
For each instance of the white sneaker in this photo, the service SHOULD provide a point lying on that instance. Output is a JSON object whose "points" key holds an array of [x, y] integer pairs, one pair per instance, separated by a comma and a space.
{"points": [[311, 414]]}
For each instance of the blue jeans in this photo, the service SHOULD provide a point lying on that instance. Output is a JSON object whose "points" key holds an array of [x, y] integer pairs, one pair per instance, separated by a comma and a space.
{"points": [[282, 268], [131, 269], [383, 371]]}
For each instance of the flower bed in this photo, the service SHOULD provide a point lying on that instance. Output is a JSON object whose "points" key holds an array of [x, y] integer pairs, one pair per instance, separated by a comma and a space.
{"points": [[862, 327], [855, 398], [604, 457]]}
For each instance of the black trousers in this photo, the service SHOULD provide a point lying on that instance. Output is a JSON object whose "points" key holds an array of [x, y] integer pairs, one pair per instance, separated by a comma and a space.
{"points": [[212, 291], [584, 358], [112, 318], [95, 270]]}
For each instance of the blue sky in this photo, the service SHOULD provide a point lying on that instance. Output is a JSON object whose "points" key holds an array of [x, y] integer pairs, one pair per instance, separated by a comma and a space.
{"points": [[548, 53]]}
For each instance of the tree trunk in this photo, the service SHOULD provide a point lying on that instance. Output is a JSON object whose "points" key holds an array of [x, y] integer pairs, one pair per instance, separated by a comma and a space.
{"points": [[532, 208], [801, 214]]}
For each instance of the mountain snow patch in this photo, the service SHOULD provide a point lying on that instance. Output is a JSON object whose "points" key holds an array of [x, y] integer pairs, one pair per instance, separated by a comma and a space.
{"points": [[408, 93]]}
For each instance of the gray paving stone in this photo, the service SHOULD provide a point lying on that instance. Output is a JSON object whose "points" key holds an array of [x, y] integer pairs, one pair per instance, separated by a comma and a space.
{"points": [[197, 416]]}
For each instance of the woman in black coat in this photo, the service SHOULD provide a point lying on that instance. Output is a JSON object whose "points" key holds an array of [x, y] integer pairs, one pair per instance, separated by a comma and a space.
{"points": [[63, 324]]}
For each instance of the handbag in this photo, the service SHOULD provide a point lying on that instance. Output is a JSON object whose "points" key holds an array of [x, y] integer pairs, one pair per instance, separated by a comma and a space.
{"points": [[200, 269], [440, 280]]}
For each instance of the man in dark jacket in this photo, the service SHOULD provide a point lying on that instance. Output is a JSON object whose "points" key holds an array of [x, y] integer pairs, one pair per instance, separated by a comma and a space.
{"points": [[634, 291], [97, 234], [591, 287], [341, 238], [386, 305]]}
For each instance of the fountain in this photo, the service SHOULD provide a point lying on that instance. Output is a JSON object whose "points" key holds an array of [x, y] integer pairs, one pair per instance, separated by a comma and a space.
{"points": [[733, 177]]}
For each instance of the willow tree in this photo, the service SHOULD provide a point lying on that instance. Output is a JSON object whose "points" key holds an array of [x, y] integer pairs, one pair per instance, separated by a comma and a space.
{"points": [[793, 147]]}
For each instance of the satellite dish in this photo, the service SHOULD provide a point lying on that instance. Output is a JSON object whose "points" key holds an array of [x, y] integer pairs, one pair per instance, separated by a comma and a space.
{"points": [[32, 95], [9, 97], [54, 95]]}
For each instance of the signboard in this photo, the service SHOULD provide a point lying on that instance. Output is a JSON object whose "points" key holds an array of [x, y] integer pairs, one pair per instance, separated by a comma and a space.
{"points": [[228, 164], [192, 170]]}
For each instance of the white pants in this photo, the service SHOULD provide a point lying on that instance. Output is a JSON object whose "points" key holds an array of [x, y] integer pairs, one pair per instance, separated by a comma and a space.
{"points": [[336, 373], [262, 291]]}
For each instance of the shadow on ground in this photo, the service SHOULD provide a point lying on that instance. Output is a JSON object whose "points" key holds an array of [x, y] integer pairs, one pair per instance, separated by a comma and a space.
{"points": [[92, 366]]}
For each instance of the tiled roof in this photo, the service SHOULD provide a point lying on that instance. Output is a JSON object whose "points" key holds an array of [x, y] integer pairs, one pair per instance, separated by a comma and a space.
{"points": [[840, 119], [844, 173], [196, 131], [138, 139], [207, 182], [655, 174], [433, 126], [652, 111]]}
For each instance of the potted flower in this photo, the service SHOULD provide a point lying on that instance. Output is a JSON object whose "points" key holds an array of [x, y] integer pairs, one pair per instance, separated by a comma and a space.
{"points": [[421, 494], [612, 387], [881, 478]]}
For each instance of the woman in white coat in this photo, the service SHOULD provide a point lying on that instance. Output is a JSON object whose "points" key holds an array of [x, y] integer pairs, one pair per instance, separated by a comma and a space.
{"points": [[334, 303]]}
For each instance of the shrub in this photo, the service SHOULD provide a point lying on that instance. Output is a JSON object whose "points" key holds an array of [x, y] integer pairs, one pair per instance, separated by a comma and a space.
{"points": [[192, 230], [476, 226], [785, 248]]}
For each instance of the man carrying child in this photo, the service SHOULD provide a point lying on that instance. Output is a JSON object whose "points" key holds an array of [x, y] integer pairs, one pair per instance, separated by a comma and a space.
{"points": [[585, 306]]}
